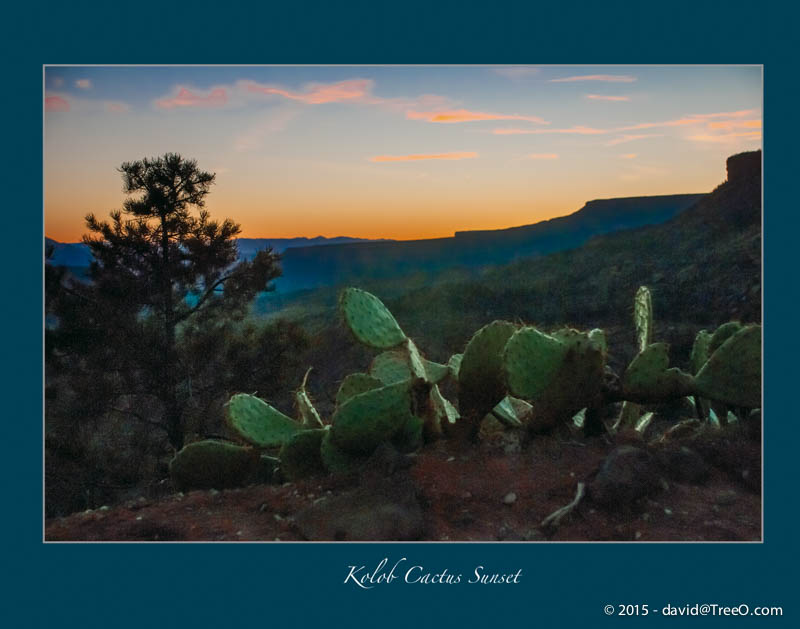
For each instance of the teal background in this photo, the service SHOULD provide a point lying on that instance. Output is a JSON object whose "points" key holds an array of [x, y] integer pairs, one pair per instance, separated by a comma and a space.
{"points": [[208, 585]]}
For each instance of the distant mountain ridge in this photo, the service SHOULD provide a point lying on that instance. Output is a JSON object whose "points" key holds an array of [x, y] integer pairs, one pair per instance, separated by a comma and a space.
{"points": [[305, 267], [76, 254]]}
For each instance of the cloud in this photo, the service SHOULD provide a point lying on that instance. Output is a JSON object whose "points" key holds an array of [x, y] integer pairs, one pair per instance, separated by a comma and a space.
{"points": [[628, 156], [728, 125], [578, 130], [609, 78], [726, 138], [56, 103], [516, 73], [58, 82], [542, 156], [253, 138], [690, 120], [464, 115], [84, 84], [184, 97], [423, 156], [638, 171], [631, 137], [609, 98], [351, 91], [116, 107]]}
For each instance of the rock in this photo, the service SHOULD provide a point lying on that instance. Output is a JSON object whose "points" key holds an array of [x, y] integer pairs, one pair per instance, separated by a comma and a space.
{"points": [[510, 498], [627, 475], [380, 511], [683, 465]]}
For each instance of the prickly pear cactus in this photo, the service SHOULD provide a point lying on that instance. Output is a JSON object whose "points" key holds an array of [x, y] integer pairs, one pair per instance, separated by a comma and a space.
{"points": [[336, 460], [367, 419], [643, 317], [369, 320], [511, 411], [356, 383], [213, 464], [481, 381], [410, 436], [300, 456], [531, 360], [258, 422], [439, 413], [390, 367], [701, 350], [454, 364], [648, 378], [722, 334], [309, 417], [732, 375]]}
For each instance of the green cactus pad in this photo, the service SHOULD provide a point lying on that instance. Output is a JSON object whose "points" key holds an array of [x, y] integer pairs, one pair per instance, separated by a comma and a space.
{"points": [[598, 338], [410, 436], [722, 334], [300, 456], [643, 317], [454, 364], [367, 419], [439, 413], [648, 379], [390, 367], [213, 464], [336, 460], [481, 381], [415, 361], [629, 414], [369, 320], [258, 422], [732, 375], [700, 351], [354, 384], [309, 417], [532, 360]]}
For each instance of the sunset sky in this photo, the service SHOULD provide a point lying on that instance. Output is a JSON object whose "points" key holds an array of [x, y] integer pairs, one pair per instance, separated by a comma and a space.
{"points": [[395, 152]]}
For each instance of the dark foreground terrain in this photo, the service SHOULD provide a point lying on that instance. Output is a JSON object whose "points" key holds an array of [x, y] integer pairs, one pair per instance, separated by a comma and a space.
{"points": [[697, 484]]}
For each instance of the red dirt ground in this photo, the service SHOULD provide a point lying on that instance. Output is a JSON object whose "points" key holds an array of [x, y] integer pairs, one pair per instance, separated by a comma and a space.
{"points": [[489, 493]]}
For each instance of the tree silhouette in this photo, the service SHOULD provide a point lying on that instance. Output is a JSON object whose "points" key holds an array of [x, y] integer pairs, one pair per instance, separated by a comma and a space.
{"points": [[161, 267]]}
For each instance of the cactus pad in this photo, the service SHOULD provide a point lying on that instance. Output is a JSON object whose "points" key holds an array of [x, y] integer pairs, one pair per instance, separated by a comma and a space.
{"points": [[700, 351], [367, 419], [454, 364], [722, 334], [300, 455], [354, 384], [213, 464], [336, 460], [390, 367], [532, 360], [410, 436], [481, 382], [643, 317], [369, 320], [648, 379], [511, 411], [258, 422], [732, 374]]}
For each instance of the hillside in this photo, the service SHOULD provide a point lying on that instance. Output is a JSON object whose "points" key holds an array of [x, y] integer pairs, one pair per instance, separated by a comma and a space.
{"points": [[305, 267]]}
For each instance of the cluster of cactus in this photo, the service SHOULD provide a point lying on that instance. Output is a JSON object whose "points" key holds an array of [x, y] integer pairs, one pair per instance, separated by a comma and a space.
{"points": [[520, 376]]}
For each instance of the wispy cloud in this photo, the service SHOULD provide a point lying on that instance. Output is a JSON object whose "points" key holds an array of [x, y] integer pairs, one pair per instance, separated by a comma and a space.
{"points": [[58, 82], [632, 137], [423, 156], [84, 84], [352, 91], [116, 107], [726, 138], [56, 103], [637, 172], [542, 156], [728, 125], [608, 78], [691, 119], [185, 97], [608, 98], [516, 73], [578, 130], [628, 156], [254, 137], [464, 115]]}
